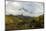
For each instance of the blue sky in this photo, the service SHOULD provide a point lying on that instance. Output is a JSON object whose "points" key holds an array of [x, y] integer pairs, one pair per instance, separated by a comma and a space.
{"points": [[32, 8]]}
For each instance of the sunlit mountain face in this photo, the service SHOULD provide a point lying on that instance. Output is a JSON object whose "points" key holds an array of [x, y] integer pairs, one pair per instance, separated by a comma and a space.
{"points": [[31, 9]]}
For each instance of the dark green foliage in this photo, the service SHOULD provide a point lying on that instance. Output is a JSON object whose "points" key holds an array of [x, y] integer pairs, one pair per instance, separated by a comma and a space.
{"points": [[20, 23]]}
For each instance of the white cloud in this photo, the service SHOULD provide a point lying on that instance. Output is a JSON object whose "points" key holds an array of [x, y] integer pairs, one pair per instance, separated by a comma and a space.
{"points": [[26, 0], [32, 8]]}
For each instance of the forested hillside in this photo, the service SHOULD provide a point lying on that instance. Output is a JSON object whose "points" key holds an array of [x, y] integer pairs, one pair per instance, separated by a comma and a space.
{"points": [[23, 22]]}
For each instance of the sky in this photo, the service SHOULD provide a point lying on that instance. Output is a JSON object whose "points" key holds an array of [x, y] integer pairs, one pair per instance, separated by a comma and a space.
{"points": [[26, 8]]}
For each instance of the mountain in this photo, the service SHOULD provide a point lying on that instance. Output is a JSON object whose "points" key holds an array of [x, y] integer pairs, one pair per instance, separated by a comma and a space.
{"points": [[21, 22], [21, 16]]}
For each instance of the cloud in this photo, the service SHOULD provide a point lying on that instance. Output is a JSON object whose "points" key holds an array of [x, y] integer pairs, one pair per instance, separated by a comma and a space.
{"points": [[14, 0], [25, 8]]}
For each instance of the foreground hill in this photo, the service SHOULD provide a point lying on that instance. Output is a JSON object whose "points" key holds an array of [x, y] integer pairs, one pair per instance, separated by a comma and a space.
{"points": [[23, 22]]}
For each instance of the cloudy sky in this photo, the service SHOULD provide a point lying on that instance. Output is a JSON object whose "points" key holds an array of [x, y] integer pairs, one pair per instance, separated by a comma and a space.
{"points": [[25, 8]]}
